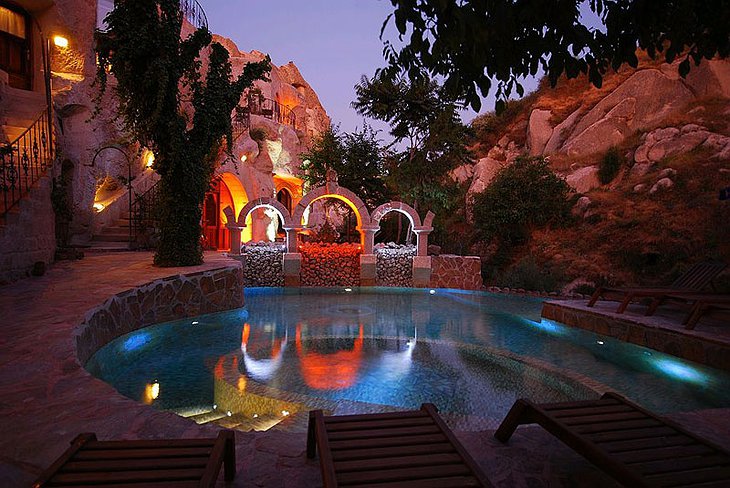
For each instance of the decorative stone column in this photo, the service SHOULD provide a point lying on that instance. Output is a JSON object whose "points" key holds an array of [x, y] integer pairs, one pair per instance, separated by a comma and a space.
{"points": [[422, 240], [291, 238], [235, 233], [367, 237], [292, 269], [421, 271], [367, 269]]}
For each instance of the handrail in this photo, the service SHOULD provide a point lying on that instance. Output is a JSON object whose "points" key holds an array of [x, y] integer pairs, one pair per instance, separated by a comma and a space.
{"points": [[24, 161], [271, 109], [194, 13], [241, 121]]}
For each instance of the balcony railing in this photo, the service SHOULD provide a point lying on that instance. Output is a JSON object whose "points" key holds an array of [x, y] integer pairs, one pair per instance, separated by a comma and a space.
{"points": [[24, 161], [271, 109], [194, 13]]}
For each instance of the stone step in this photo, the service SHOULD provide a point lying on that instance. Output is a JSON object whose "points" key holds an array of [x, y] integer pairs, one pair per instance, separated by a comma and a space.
{"points": [[102, 247], [206, 417], [111, 237]]}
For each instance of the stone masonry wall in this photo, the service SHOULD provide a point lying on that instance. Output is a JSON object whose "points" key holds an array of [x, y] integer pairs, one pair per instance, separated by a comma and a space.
{"points": [[330, 264], [263, 265], [161, 300], [29, 234], [450, 271], [394, 265]]}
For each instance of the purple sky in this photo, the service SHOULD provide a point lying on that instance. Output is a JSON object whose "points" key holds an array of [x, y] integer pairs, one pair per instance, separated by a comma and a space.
{"points": [[333, 42]]}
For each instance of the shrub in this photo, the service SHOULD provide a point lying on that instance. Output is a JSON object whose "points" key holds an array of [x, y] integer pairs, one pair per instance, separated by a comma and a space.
{"points": [[523, 196], [527, 274], [609, 166], [258, 134]]}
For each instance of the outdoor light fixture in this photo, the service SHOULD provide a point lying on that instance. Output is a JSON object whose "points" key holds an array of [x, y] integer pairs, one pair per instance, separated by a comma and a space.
{"points": [[60, 41], [98, 207], [149, 158], [244, 157]]}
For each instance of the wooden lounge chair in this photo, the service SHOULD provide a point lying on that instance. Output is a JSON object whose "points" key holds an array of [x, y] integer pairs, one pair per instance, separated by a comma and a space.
{"points": [[629, 443], [703, 304], [178, 463], [695, 279], [413, 449]]}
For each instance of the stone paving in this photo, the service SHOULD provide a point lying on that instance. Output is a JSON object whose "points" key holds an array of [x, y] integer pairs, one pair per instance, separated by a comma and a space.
{"points": [[46, 397]]}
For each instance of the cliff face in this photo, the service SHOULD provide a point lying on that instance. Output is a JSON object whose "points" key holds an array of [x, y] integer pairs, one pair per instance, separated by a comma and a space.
{"points": [[662, 209]]}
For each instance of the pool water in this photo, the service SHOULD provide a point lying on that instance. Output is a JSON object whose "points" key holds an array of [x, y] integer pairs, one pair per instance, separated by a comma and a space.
{"points": [[472, 354]]}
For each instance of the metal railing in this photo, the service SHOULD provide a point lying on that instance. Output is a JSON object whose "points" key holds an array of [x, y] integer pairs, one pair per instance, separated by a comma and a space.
{"points": [[240, 122], [24, 161], [271, 109], [145, 217], [194, 13]]}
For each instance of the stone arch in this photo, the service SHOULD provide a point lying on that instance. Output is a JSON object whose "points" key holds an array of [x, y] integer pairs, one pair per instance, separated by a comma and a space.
{"points": [[237, 190], [337, 192], [401, 207], [271, 203]]}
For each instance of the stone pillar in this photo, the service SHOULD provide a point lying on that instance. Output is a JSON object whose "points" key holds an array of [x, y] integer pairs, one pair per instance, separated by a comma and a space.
{"points": [[292, 269], [291, 239], [367, 269], [235, 232], [422, 240], [367, 237], [421, 271]]}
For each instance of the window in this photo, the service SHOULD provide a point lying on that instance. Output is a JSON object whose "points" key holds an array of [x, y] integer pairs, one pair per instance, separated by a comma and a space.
{"points": [[12, 22]]}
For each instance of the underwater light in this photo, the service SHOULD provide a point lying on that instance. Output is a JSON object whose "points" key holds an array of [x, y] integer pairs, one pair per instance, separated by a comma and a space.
{"points": [[348, 289], [547, 326], [600, 342], [432, 292], [136, 341], [195, 322], [679, 370]]}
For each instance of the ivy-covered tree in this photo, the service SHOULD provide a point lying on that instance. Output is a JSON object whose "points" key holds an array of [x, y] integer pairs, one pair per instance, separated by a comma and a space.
{"points": [[357, 158], [472, 44], [153, 67]]}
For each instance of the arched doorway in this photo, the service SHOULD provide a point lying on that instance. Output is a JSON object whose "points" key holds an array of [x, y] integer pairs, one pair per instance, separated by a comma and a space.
{"points": [[284, 197], [15, 45], [214, 231]]}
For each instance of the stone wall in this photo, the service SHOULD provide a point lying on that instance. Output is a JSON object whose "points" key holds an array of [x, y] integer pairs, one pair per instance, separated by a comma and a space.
{"points": [[394, 265], [263, 264], [450, 271], [326, 264], [161, 300], [29, 233]]}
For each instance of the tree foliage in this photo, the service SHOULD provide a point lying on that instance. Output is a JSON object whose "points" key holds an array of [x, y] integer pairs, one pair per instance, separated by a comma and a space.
{"points": [[523, 196], [154, 67], [357, 158], [472, 44]]}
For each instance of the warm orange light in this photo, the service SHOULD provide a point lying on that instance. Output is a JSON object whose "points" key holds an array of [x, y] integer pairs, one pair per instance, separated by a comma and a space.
{"points": [[151, 392], [330, 371], [60, 41], [148, 157]]}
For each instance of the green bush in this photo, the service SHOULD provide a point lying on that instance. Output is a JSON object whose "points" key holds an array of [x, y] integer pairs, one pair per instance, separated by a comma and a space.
{"points": [[527, 274], [523, 196], [609, 166]]}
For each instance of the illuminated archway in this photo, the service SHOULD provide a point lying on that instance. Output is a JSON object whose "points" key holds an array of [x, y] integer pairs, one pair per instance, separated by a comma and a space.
{"points": [[239, 198], [336, 192], [400, 207]]}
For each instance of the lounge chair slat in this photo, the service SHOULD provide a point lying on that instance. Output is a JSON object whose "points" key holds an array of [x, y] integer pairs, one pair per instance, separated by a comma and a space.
{"points": [[657, 454], [392, 475], [143, 453], [633, 434], [377, 462], [603, 419], [133, 464], [394, 432], [396, 441], [577, 412], [121, 465], [379, 424], [651, 442], [450, 482], [334, 419], [382, 452], [650, 451], [148, 444], [721, 473], [376, 451], [128, 476], [684, 464], [617, 426]]}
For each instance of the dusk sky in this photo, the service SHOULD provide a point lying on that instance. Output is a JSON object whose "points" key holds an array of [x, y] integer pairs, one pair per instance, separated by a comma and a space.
{"points": [[333, 42]]}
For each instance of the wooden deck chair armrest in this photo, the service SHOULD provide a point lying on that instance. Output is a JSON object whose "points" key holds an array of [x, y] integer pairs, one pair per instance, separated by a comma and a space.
{"points": [[76, 444]]}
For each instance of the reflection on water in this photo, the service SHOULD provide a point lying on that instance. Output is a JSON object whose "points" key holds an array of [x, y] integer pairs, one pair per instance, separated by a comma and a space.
{"points": [[387, 348]]}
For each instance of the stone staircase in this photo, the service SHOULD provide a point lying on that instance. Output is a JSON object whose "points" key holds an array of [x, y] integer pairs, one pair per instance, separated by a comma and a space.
{"points": [[112, 237], [18, 110]]}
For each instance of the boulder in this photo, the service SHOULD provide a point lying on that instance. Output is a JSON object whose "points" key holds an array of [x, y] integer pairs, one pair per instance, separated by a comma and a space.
{"points": [[584, 179], [580, 207], [539, 130], [662, 184], [560, 132], [484, 172], [639, 188], [462, 173], [640, 169]]}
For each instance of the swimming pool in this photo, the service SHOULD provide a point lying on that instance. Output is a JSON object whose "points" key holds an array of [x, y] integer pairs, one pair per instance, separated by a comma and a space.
{"points": [[370, 349]]}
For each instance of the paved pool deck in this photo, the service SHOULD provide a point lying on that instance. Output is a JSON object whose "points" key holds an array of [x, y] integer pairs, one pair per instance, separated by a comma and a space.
{"points": [[46, 397]]}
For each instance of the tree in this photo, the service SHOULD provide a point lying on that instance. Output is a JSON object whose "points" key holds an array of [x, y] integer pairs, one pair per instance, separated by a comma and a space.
{"points": [[473, 43], [523, 196], [153, 67], [357, 158]]}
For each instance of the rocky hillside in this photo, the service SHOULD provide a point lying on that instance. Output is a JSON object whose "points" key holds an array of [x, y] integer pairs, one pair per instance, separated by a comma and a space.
{"points": [[671, 137]]}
